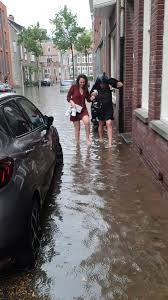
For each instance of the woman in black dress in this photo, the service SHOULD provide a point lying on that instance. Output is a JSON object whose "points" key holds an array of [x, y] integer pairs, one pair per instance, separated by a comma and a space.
{"points": [[103, 96]]}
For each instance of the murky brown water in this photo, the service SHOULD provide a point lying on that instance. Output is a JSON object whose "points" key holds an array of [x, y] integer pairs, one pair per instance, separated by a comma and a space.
{"points": [[106, 225]]}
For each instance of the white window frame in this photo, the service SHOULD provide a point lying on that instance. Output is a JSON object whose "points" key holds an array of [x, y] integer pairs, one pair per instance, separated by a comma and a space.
{"points": [[91, 70], [90, 58], [83, 59], [78, 59], [113, 54], [164, 91], [146, 54], [14, 47], [79, 70]]}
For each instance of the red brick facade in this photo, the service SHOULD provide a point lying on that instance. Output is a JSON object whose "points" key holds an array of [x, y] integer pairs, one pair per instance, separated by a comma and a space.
{"points": [[5, 55], [128, 67], [152, 147]]}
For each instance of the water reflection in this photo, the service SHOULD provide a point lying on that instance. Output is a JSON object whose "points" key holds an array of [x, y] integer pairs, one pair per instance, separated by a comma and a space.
{"points": [[105, 224]]}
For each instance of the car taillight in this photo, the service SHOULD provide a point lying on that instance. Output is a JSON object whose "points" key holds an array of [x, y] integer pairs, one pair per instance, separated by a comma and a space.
{"points": [[6, 169]]}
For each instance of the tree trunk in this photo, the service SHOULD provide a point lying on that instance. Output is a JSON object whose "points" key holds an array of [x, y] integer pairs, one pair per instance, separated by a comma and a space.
{"points": [[73, 62], [38, 70], [86, 62]]}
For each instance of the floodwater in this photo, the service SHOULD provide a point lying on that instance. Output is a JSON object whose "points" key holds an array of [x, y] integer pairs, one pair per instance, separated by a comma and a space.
{"points": [[105, 224]]}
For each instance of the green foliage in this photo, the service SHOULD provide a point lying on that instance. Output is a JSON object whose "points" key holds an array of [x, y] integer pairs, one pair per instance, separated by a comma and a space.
{"points": [[66, 29], [84, 42], [32, 38]]}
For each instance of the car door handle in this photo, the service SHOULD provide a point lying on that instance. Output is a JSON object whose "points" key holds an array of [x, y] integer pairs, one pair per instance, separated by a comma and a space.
{"points": [[45, 141], [29, 150]]}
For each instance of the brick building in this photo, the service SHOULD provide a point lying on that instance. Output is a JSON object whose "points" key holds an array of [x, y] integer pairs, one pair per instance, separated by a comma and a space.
{"points": [[50, 61], [131, 43], [5, 55], [83, 64], [23, 62]]}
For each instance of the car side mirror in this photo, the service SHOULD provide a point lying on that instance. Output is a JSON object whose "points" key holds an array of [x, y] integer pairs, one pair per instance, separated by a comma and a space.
{"points": [[48, 121]]}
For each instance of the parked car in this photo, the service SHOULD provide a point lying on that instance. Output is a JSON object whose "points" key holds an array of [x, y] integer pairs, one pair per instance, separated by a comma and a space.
{"points": [[30, 151], [46, 82], [65, 85], [4, 87]]}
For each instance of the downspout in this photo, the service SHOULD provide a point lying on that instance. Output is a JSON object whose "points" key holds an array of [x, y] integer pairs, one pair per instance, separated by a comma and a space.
{"points": [[122, 30]]}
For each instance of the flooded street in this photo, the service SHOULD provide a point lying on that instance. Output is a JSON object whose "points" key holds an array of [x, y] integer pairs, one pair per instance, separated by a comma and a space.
{"points": [[105, 224]]}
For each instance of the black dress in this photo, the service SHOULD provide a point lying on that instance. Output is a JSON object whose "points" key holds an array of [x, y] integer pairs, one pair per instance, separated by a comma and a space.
{"points": [[104, 99], [102, 106]]}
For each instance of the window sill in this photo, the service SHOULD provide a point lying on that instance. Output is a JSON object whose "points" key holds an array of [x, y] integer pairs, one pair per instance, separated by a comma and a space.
{"points": [[160, 127], [142, 114]]}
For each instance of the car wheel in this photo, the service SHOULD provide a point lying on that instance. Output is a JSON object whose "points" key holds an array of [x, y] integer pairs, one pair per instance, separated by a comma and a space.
{"points": [[27, 257], [59, 154], [35, 231]]}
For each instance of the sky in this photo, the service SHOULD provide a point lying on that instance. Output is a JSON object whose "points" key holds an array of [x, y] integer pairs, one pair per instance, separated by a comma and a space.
{"points": [[28, 12]]}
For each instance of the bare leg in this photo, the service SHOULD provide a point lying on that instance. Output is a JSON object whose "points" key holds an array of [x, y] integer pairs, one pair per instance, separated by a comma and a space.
{"points": [[86, 122], [109, 132], [77, 131], [100, 130]]}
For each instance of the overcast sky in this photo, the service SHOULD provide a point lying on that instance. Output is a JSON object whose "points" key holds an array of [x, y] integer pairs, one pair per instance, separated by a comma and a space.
{"points": [[28, 12]]}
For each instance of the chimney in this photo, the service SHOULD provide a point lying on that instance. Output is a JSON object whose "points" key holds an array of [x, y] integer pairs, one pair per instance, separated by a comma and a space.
{"points": [[11, 18]]}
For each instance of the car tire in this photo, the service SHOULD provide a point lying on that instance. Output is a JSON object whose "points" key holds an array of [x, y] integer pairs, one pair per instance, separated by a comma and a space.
{"points": [[28, 256], [59, 155]]}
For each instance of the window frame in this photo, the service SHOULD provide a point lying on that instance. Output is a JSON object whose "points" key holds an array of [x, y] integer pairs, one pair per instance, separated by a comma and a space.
{"points": [[5, 103], [146, 55], [26, 115], [164, 93]]}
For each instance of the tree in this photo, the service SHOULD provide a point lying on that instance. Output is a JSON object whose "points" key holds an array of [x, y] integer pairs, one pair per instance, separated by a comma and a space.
{"points": [[66, 31], [31, 38], [84, 42]]}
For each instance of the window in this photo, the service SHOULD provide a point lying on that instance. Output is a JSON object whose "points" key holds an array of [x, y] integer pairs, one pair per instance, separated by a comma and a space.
{"points": [[164, 94], [90, 70], [113, 54], [45, 71], [78, 60], [32, 58], [14, 46], [15, 119], [33, 113], [7, 63], [79, 70], [90, 58], [49, 60], [49, 49], [146, 54], [83, 59], [84, 70]]}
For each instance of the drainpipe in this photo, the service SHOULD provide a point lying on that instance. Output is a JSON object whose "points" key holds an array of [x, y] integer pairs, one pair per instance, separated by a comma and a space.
{"points": [[122, 29]]}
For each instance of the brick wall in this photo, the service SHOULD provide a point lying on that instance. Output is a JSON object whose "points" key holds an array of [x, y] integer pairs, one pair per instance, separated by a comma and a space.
{"points": [[157, 24], [128, 66], [5, 54], [152, 147], [138, 52]]}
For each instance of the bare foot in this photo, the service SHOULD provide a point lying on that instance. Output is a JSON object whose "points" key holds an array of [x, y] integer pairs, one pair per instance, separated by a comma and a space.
{"points": [[101, 141], [88, 142]]}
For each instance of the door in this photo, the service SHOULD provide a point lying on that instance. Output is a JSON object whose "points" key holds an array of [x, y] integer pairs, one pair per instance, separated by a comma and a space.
{"points": [[45, 154], [22, 149]]}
